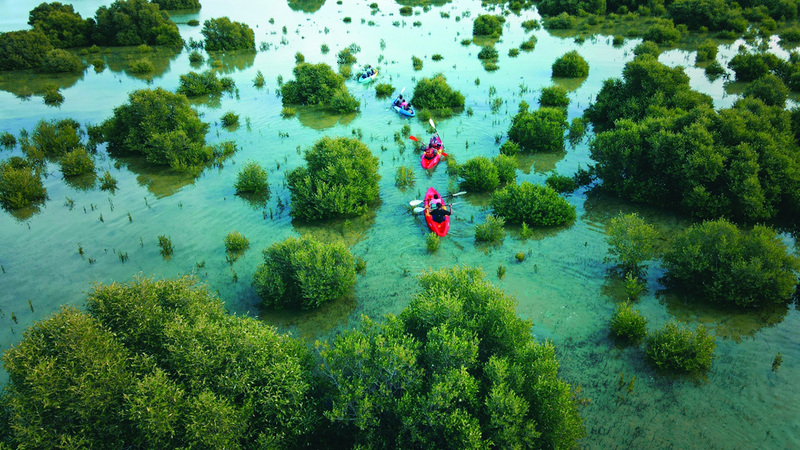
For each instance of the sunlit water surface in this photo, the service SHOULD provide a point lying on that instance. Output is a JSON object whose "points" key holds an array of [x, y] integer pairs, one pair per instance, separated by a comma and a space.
{"points": [[563, 284]]}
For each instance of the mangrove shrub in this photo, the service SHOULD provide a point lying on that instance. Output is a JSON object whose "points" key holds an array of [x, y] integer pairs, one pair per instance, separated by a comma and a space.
{"points": [[674, 348], [628, 324], [178, 4], [163, 127], [541, 130], [631, 241], [488, 25], [340, 179], [195, 84], [63, 27], [434, 93], [570, 65], [479, 175], [304, 273], [532, 204], [23, 49], [224, 34], [318, 85], [457, 369], [152, 364], [721, 263], [252, 179], [76, 162], [20, 184], [134, 22]]}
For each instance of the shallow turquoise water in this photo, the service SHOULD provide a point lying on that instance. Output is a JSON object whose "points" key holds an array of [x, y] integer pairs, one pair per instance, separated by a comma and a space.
{"points": [[562, 285]]}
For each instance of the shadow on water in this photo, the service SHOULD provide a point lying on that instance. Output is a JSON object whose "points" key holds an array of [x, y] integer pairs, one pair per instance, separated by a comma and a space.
{"points": [[349, 231], [25, 83], [159, 180], [570, 84], [233, 61], [311, 325], [539, 162], [308, 6], [727, 322], [318, 119], [120, 60]]}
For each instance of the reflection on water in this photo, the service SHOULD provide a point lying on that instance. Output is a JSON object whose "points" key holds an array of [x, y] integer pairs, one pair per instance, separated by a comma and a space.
{"points": [[120, 59], [308, 6], [319, 119], [309, 325], [570, 84], [83, 182], [727, 322], [232, 61], [422, 2], [159, 180], [539, 162], [349, 231], [24, 83]]}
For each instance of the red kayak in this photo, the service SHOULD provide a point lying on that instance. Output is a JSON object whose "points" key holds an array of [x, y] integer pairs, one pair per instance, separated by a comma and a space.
{"points": [[431, 163], [438, 228]]}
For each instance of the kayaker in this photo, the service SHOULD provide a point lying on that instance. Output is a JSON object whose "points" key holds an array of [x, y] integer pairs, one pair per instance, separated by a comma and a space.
{"points": [[435, 200], [438, 214], [430, 153], [436, 143], [399, 100]]}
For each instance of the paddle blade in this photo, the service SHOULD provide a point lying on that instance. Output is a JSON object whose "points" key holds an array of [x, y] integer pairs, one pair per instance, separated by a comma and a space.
{"points": [[418, 210], [432, 124], [402, 90], [457, 194], [445, 154], [413, 138], [415, 202]]}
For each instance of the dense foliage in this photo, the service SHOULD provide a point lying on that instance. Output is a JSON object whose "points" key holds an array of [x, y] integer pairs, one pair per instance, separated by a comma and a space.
{"points": [[628, 324], [156, 364], [677, 349], [555, 96], [63, 26], [318, 85], [134, 22], [532, 204], [178, 4], [340, 179], [76, 162], [53, 139], [23, 49], [304, 273], [561, 183], [631, 241], [570, 65], [491, 230], [488, 25], [58, 61], [661, 143], [20, 184], [479, 175], [163, 127], [434, 93], [457, 369], [223, 34], [541, 130], [721, 263], [195, 84], [252, 179]]}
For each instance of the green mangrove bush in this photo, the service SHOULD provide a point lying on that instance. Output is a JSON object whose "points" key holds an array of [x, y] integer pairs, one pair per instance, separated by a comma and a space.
{"points": [[676, 349], [719, 262], [63, 27], [561, 183], [541, 130], [61, 61], [23, 49], [532, 204], [340, 179], [631, 241], [20, 184], [223, 34], [195, 84], [628, 324], [555, 96], [570, 65], [488, 25], [479, 175], [434, 93], [490, 231], [318, 85], [235, 242], [76, 162], [304, 273], [252, 179], [134, 22], [452, 367]]}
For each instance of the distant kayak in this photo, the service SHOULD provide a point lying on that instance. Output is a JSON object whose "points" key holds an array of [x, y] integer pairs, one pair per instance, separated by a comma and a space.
{"points": [[364, 78], [404, 112]]}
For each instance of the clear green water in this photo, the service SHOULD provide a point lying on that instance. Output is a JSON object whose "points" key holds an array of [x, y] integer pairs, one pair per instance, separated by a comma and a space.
{"points": [[562, 285]]}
